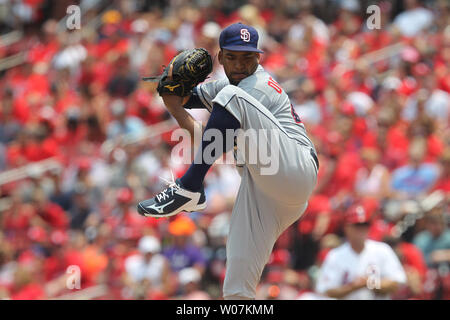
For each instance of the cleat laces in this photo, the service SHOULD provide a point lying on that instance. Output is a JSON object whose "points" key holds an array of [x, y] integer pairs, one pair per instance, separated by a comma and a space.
{"points": [[163, 195]]}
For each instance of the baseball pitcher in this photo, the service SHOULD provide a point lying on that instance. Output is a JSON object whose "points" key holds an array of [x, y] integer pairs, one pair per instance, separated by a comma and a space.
{"points": [[249, 99]]}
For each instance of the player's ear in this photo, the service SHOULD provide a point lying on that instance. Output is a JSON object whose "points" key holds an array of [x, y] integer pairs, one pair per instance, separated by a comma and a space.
{"points": [[220, 56], [258, 56]]}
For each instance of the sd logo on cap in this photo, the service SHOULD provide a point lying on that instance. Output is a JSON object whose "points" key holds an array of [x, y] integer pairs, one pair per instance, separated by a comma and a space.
{"points": [[239, 37]]}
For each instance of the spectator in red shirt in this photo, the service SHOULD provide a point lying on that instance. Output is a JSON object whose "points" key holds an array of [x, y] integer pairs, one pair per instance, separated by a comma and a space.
{"points": [[25, 287], [315, 223], [50, 212], [415, 268], [443, 182], [9, 125]]}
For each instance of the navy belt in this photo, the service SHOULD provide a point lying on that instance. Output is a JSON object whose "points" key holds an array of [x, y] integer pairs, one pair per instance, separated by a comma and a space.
{"points": [[314, 156]]}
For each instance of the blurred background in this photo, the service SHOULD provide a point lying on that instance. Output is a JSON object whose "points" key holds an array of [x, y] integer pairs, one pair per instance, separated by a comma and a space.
{"points": [[82, 141]]}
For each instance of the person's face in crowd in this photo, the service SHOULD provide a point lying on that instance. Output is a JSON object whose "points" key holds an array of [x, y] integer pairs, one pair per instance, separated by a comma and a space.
{"points": [[190, 287], [133, 151], [40, 199], [410, 4], [357, 234], [445, 163], [81, 199], [435, 224], [370, 158], [180, 241], [148, 256], [123, 66], [416, 154], [77, 240], [23, 136], [429, 83], [27, 68], [299, 96], [83, 173], [22, 277], [143, 112], [93, 122], [344, 125], [238, 65], [208, 43], [41, 132], [6, 109], [120, 114], [72, 123]]}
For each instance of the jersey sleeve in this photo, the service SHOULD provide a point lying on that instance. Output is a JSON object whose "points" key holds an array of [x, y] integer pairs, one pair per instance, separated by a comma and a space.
{"points": [[207, 91], [329, 275], [260, 96], [194, 101]]}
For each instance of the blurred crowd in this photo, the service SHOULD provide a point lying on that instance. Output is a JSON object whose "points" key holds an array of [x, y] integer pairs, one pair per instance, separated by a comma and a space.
{"points": [[375, 102]]}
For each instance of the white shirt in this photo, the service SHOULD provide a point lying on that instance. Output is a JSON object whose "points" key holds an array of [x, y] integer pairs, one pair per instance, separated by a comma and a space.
{"points": [[138, 269], [361, 101], [70, 57], [343, 265], [437, 106], [369, 182], [411, 22]]}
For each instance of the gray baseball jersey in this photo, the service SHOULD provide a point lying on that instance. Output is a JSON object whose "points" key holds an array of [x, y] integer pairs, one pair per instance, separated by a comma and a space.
{"points": [[266, 204]]}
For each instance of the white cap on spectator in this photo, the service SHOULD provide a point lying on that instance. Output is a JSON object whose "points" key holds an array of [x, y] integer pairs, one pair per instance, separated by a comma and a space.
{"points": [[188, 275], [391, 83], [139, 26], [162, 35], [149, 244], [211, 30], [118, 107], [350, 5], [361, 101]]}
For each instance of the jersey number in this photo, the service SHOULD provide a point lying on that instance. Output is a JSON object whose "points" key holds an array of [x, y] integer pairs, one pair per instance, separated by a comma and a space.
{"points": [[272, 83], [295, 115]]}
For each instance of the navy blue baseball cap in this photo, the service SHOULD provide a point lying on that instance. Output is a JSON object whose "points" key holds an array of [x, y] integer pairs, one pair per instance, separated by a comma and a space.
{"points": [[239, 37]]}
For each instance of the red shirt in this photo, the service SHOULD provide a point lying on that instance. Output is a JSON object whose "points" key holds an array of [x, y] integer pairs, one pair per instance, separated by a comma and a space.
{"points": [[43, 52], [49, 148], [344, 175], [19, 220], [21, 109], [52, 268], [38, 83], [443, 184], [317, 204], [67, 100], [55, 215], [413, 257], [17, 155], [132, 219], [394, 148], [375, 40], [32, 291], [434, 148], [380, 228]]}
